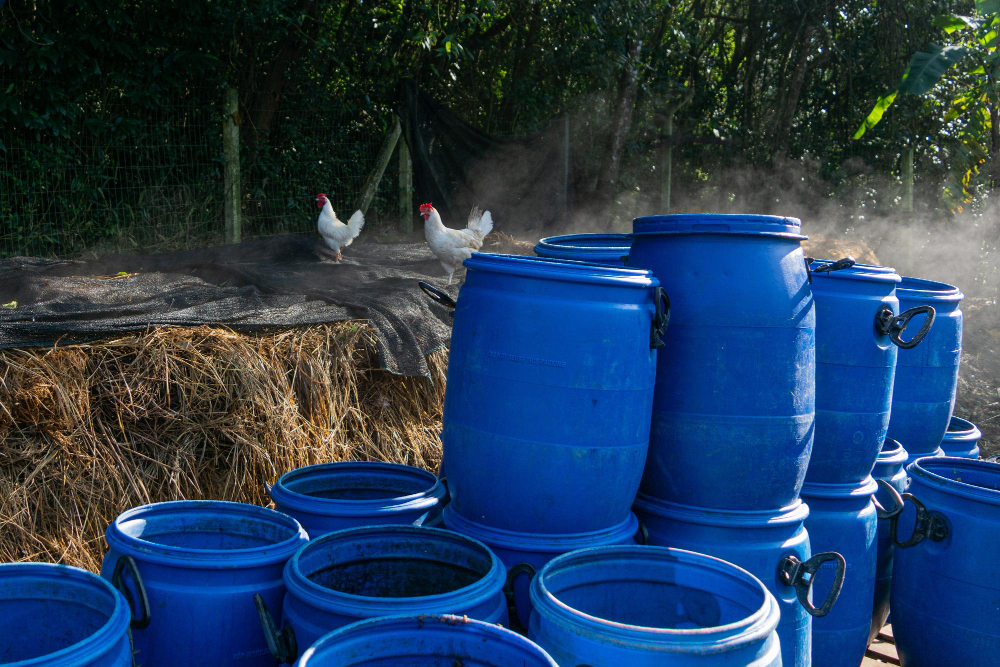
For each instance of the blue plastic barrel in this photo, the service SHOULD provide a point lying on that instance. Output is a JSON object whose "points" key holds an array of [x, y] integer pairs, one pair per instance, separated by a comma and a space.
{"points": [[334, 496], [856, 307], [523, 554], [372, 571], [190, 569], [768, 544], [61, 616], [923, 394], [842, 518], [428, 640], [961, 439], [733, 410], [946, 574], [888, 467], [597, 248], [550, 387], [645, 606]]}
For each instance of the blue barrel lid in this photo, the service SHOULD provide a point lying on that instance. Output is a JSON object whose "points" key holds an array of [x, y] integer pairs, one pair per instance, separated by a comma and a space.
{"points": [[868, 272], [561, 269], [598, 247], [718, 223], [928, 290]]}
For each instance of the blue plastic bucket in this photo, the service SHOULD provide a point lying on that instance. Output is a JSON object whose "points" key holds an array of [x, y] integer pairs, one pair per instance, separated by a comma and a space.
{"points": [[946, 574], [334, 496], [428, 640], [889, 467], [961, 439], [923, 394], [601, 248], [550, 386], [637, 605], [842, 518], [735, 379], [361, 573], [768, 544], [60, 616], [191, 569], [856, 308], [524, 554]]}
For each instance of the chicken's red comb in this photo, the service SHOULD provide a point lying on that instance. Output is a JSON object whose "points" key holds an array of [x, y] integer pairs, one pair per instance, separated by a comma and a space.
{"points": [[426, 206], [322, 194]]}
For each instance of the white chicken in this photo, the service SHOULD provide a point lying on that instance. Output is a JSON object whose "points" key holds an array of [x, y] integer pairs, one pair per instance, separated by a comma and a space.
{"points": [[336, 234], [454, 246]]}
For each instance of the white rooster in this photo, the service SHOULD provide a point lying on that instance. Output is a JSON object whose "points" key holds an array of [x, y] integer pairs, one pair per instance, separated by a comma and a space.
{"points": [[454, 246], [336, 234]]}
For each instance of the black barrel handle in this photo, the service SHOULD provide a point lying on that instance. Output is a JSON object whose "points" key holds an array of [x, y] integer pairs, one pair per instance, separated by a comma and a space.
{"points": [[897, 501], [893, 325], [927, 524], [508, 591], [118, 581], [661, 319], [437, 295], [642, 534], [281, 643], [794, 572], [840, 264]]}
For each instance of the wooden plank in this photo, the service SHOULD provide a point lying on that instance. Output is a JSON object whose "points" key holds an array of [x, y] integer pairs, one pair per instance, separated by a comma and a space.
{"points": [[231, 164], [882, 650], [384, 153]]}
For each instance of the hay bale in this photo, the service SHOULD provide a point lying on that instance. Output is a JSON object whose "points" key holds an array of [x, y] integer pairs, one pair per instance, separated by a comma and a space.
{"points": [[90, 430]]}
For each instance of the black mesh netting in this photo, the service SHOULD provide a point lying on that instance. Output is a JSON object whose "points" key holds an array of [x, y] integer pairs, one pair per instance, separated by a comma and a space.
{"points": [[270, 282]]}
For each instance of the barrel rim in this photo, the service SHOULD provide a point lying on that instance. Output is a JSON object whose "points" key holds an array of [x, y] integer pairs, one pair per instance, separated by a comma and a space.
{"points": [[222, 559], [894, 453], [863, 272], [913, 456], [563, 247], [477, 631], [928, 290], [796, 513], [751, 224], [490, 584], [107, 636], [922, 469], [565, 270], [756, 626], [426, 499], [854, 490], [966, 431], [537, 542]]}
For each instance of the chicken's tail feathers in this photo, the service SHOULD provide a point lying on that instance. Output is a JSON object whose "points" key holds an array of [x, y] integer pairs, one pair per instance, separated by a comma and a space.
{"points": [[356, 222], [480, 222]]}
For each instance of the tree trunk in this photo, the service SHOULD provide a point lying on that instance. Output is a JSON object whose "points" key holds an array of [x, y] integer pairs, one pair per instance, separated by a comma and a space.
{"points": [[908, 179], [621, 123], [994, 147], [795, 87]]}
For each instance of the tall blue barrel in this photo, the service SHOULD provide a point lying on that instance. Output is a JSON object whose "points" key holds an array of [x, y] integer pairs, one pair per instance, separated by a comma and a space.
{"points": [[190, 569], [597, 248], [645, 606], [734, 405], [550, 386], [855, 366], [373, 571], [842, 518], [428, 640], [333, 496], [961, 439], [946, 574], [61, 616], [763, 542], [923, 394], [888, 467]]}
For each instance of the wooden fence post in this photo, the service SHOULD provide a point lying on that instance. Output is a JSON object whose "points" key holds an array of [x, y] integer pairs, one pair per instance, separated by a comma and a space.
{"points": [[405, 187], [385, 152], [231, 161]]}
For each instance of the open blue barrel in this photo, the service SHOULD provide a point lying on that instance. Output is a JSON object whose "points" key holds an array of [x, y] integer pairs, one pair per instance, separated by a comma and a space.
{"points": [[598, 248], [333, 496], [842, 518], [190, 569], [646, 606], [550, 386], [857, 333], [428, 640], [523, 554], [734, 404], [772, 545], [61, 616], [946, 574], [890, 468], [361, 573], [923, 395], [961, 439]]}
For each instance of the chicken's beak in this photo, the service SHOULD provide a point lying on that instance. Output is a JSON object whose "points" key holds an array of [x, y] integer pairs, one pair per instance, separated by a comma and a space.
{"points": [[425, 216]]}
